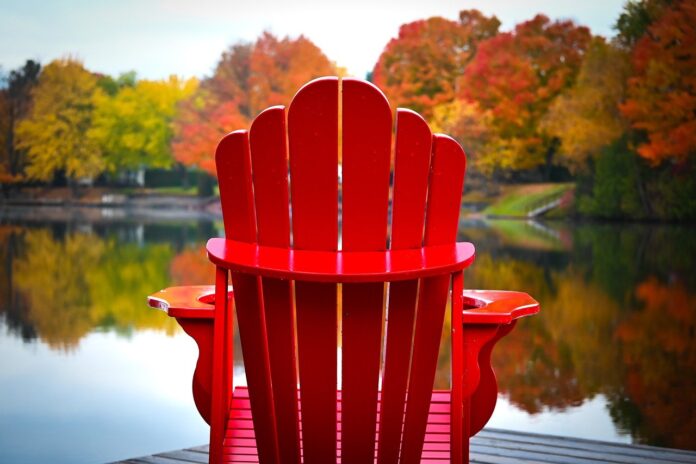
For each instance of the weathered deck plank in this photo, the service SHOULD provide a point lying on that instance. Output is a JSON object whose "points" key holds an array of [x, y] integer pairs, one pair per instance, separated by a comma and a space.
{"points": [[619, 452], [494, 446]]}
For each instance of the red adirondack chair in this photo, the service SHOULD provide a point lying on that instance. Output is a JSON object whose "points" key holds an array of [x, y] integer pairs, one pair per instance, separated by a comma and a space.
{"points": [[317, 270]]}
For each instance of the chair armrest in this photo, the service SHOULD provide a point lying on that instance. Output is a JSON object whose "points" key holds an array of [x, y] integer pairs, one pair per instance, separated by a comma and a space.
{"points": [[339, 266], [496, 306], [189, 302], [480, 306]]}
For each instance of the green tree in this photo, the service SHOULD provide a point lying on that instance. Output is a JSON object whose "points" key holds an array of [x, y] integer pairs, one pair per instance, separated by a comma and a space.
{"points": [[616, 185], [637, 16], [6, 176], [15, 102], [112, 85], [54, 133], [133, 128]]}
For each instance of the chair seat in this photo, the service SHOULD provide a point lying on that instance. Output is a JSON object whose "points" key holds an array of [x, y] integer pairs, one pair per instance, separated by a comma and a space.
{"points": [[240, 443]]}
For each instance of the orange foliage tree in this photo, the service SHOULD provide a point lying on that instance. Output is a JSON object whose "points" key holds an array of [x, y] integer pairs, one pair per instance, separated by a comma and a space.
{"points": [[516, 76], [662, 92], [418, 69], [248, 78], [191, 267]]}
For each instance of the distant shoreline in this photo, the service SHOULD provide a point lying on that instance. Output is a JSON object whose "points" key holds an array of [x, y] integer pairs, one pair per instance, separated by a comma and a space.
{"points": [[154, 208]]}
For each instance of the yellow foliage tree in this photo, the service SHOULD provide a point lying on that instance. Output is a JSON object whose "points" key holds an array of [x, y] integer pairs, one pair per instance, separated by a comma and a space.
{"points": [[54, 134], [586, 117], [52, 277], [82, 282], [133, 127], [471, 126]]}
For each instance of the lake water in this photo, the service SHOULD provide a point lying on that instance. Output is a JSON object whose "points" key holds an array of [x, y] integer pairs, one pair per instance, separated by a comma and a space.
{"points": [[88, 374]]}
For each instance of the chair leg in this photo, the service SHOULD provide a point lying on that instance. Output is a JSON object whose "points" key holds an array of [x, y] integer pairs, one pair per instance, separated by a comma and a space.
{"points": [[466, 430], [458, 440], [220, 394], [474, 338]]}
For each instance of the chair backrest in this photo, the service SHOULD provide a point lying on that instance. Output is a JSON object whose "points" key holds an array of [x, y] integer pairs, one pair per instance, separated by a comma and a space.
{"points": [[280, 186]]}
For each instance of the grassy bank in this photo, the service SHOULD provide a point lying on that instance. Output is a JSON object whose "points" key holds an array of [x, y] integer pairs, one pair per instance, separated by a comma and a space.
{"points": [[518, 200]]}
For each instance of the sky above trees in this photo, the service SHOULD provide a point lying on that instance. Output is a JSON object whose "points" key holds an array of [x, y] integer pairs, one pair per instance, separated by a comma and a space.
{"points": [[157, 38]]}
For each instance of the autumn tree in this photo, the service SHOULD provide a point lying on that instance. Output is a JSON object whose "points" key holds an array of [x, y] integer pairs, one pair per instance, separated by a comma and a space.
{"points": [[54, 133], [516, 76], [467, 123], [278, 68], [418, 69], [133, 127], [15, 101], [214, 109], [248, 78], [586, 117], [661, 99]]}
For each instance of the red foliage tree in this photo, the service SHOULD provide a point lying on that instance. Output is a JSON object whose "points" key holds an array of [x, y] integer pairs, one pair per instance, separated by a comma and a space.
{"points": [[516, 76], [249, 78], [418, 69], [662, 92]]}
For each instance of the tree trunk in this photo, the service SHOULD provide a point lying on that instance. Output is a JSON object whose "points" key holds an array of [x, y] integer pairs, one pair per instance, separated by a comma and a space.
{"points": [[640, 185], [550, 152]]}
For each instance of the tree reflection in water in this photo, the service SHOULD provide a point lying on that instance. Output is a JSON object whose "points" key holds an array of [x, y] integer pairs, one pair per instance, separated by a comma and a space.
{"points": [[618, 318], [618, 306], [60, 285]]}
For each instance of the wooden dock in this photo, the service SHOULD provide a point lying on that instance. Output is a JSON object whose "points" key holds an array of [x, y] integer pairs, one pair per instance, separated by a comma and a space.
{"points": [[493, 446]]}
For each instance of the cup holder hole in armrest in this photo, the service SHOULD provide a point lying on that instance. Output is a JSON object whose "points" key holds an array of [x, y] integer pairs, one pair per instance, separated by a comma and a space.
{"points": [[208, 298], [473, 303]]}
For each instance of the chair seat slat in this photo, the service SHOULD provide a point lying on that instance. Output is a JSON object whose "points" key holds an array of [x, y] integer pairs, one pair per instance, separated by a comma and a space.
{"points": [[240, 440]]}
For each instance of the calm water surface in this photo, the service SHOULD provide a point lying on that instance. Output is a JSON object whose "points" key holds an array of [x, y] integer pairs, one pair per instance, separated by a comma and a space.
{"points": [[89, 374]]}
